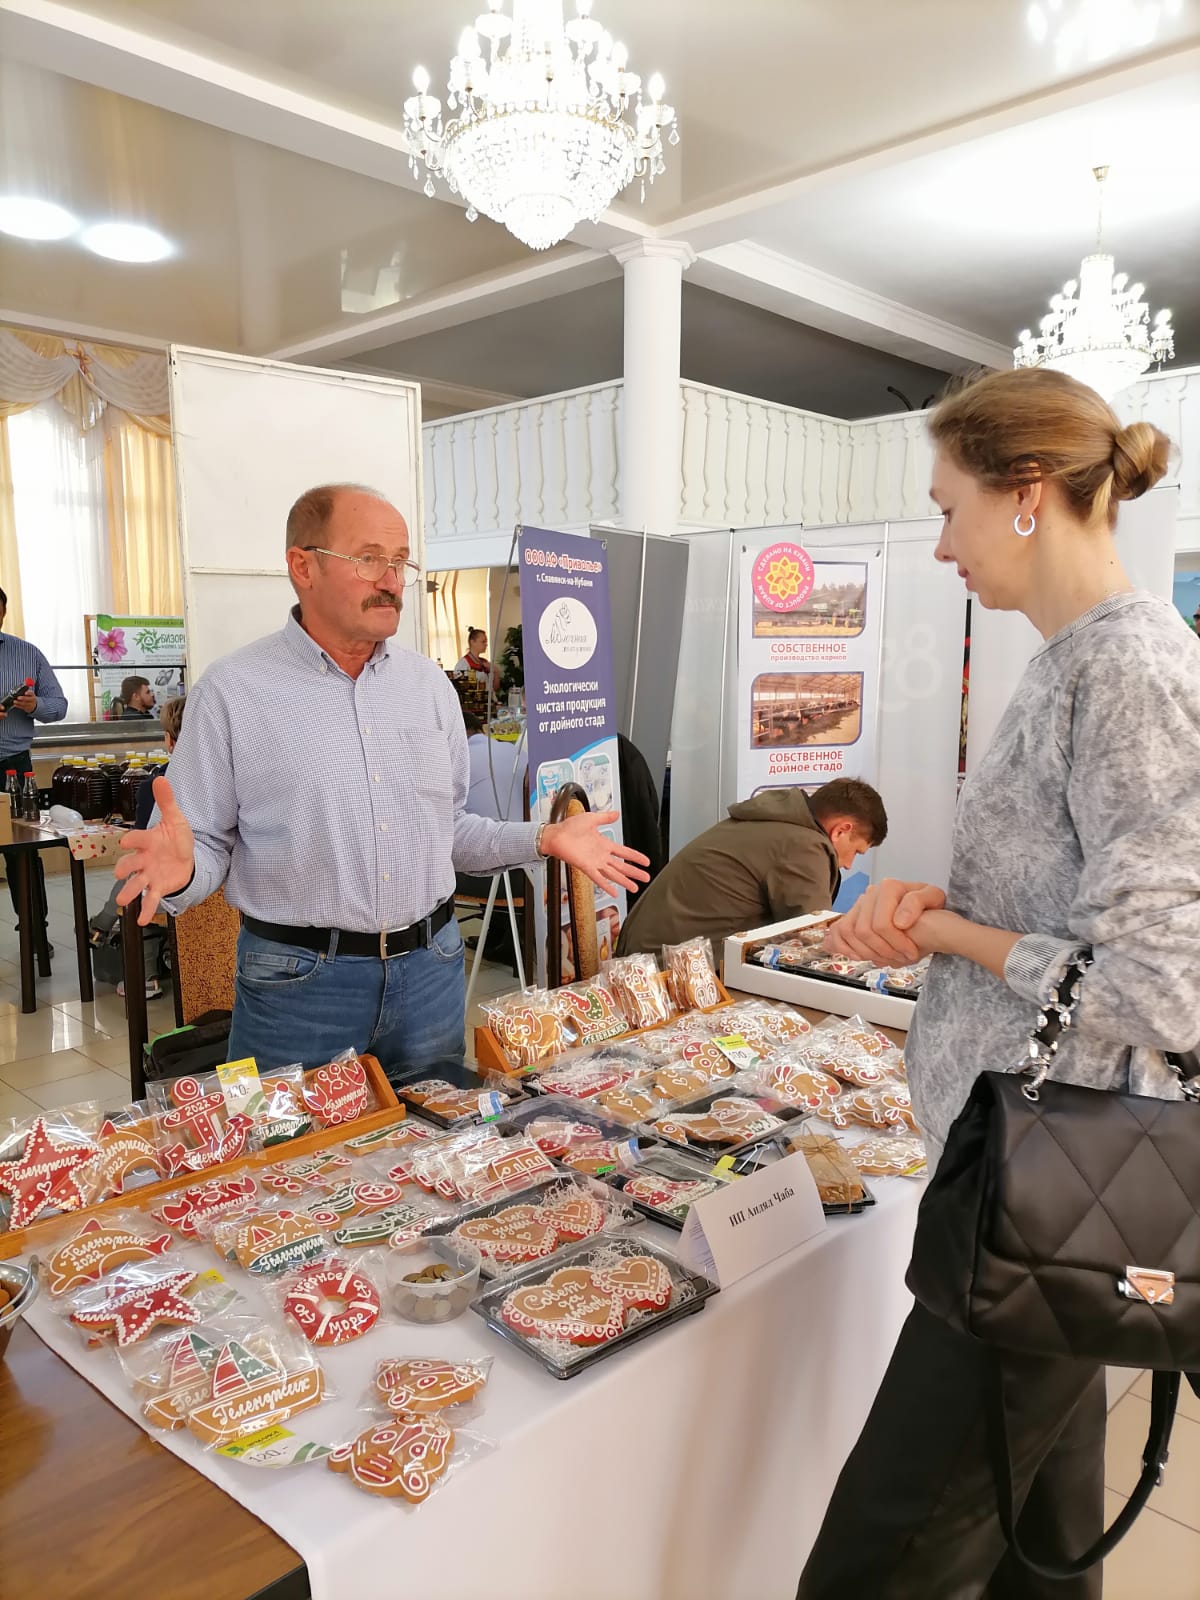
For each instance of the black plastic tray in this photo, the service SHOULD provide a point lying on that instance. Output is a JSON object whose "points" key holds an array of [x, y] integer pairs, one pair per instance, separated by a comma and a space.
{"points": [[488, 1302], [668, 1161], [784, 1112], [595, 1187], [463, 1078], [517, 1119], [747, 1162]]}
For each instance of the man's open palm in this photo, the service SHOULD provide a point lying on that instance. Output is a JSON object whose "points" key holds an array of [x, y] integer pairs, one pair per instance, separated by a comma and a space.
{"points": [[159, 861]]}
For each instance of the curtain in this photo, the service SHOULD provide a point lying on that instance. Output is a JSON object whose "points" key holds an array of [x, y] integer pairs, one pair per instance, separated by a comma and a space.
{"points": [[59, 503], [84, 377], [143, 546], [10, 566]]}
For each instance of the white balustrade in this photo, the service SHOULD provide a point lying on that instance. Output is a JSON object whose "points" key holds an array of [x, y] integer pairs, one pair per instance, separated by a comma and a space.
{"points": [[555, 461]]}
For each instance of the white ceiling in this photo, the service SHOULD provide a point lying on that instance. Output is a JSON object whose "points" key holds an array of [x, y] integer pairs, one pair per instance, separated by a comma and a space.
{"points": [[912, 178]]}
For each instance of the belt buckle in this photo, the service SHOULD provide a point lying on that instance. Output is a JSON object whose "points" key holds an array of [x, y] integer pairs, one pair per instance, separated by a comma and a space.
{"points": [[1153, 1285], [383, 939]]}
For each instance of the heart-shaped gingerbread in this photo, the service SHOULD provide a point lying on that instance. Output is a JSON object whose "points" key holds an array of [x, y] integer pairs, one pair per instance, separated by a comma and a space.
{"points": [[571, 1306], [520, 1233], [643, 1283], [574, 1216]]}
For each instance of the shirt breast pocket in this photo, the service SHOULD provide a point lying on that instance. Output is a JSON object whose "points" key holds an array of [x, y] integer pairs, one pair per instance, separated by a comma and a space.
{"points": [[425, 767]]}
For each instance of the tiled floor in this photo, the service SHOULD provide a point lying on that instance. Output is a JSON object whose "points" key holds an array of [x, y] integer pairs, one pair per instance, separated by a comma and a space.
{"points": [[70, 1051]]}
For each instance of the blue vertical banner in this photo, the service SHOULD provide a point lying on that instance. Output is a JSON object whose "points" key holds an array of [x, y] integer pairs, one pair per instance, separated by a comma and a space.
{"points": [[571, 720]]}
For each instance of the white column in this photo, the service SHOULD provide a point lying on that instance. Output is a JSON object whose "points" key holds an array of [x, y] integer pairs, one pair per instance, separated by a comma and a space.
{"points": [[651, 425]]}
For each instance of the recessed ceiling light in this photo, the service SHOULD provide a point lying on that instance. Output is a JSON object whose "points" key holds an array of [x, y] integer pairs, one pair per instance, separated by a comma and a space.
{"points": [[127, 241], [26, 218]]}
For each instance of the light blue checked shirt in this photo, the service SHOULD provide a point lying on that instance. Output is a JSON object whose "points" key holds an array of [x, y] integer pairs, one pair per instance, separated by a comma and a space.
{"points": [[20, 660], [325, 801]]}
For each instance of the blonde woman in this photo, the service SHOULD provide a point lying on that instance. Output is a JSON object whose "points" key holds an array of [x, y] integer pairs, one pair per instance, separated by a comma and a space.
{"points": [[1080, 828]]}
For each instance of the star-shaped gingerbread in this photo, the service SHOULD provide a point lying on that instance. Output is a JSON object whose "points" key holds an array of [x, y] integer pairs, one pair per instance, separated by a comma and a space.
{"points": [[132, 1312], [41, 1176]]}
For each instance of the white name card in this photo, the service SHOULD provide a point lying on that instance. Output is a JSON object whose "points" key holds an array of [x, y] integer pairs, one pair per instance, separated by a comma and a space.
{"points": [[745, 1224]]}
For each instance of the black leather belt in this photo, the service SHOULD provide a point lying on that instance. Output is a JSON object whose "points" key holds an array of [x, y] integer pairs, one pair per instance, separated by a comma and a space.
{"points": [[399, 942]]}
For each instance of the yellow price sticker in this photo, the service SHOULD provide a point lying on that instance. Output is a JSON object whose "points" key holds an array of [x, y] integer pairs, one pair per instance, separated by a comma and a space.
{"points": [[240, 1085], [211, 1276], [244, 1447]]}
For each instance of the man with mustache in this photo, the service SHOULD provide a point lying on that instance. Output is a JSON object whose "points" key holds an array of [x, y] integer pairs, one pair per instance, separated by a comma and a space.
{"points": [[336, 816]]}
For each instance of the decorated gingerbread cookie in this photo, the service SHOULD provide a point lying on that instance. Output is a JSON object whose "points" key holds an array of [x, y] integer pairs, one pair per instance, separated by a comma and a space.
{"points": [[272, 1241], [421, 1388], [640, 990], [627, 1103], [355, 1198], [804, 1086], [205, 1203], [590, 1010], [570, 1307], [184, 1383], [295, 1178], [675, 1196], [394, 1137], [728, 1121], [42, 1177], [122, 1150], [332, 1303], [692, 975], [338, 1093], [510, 1237], [527, 1028], [100, 1247], [402, 1458], [248, 1392], [128, 1310]]}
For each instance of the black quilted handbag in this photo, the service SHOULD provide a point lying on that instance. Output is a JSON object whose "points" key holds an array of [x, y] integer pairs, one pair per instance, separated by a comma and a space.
{"points": [[1065, 1221]]}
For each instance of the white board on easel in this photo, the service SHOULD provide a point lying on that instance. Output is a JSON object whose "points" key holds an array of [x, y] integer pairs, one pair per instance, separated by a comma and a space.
{"points": [[250, 436]]}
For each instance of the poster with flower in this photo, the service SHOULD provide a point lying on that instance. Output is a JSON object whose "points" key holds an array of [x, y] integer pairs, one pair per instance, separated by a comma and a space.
{"points": [[145, 647]]}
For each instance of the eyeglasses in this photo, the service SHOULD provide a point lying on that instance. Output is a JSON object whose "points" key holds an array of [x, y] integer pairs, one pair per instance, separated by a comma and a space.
{"points": [[372, 568]]}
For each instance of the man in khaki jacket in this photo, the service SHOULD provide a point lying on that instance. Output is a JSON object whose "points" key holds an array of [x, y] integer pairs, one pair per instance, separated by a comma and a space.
{"points": [[778, 855]]}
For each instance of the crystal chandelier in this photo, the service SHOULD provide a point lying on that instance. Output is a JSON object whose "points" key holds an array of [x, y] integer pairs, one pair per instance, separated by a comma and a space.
{"points": [[548, 126], [1098, 329]]}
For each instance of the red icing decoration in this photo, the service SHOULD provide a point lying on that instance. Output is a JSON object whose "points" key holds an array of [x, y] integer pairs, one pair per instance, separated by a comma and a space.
{"points": [[338, 1093], [41, 1176], [132, 1313]]}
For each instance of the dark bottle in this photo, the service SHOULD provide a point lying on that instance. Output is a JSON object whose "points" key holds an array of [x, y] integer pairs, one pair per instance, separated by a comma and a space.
{"points": [[31, 807], [131, 781], [13, 695], [96, 794], [12, 786], [59, 787]]}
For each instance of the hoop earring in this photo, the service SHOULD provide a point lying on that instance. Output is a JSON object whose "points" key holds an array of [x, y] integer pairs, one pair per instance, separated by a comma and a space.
{"points": [[1024, 532]]}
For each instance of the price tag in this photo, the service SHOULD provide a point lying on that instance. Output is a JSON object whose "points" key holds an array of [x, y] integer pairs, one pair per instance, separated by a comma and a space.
{"points": [[274, 1447], [241, 1087], [490, 1105], [741, 1226], [734, 1048]]}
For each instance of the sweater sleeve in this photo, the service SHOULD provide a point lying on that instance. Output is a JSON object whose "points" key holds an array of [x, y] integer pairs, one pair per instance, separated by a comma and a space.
{"points": [[1134, 798]]}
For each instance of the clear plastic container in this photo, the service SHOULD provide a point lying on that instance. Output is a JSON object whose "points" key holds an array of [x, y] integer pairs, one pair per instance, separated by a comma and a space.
{"points": [[431, 1281]]}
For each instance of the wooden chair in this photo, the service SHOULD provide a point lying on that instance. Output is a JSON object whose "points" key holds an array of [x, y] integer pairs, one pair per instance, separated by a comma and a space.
{"points": [[203, 945], [581, 901]]}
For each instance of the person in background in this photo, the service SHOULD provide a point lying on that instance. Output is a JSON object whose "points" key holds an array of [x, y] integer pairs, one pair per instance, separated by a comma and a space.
{"points": [[343, 870], [45, 702], [1196, 622], [137, 697], [105, 921], [778, 855], [475, 661]]}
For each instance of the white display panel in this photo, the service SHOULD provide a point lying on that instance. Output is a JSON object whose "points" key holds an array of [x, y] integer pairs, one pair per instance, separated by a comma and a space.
{"points": [[250, 437], [1002, 642], [924, 627]]}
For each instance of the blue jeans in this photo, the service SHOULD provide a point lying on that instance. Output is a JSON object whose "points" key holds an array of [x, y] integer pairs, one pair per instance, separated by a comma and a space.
{"points": [[294, 1004]]}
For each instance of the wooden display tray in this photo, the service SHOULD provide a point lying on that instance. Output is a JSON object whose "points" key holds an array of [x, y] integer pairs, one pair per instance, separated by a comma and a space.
{"points": [[490, 1057], [140, 1199]]}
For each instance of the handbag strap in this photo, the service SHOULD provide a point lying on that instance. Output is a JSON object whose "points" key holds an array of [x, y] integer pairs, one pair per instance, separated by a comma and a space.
{"points": [[1163, 1399], [1058, 1015]]}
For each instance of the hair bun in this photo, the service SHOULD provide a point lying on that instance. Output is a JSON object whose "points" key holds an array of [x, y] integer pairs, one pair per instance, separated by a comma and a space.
{"points": [[1139, 459]]}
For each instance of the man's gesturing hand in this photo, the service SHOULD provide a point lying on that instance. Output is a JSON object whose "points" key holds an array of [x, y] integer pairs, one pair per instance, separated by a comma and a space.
{"points": [[159, 861], [579, 842]]}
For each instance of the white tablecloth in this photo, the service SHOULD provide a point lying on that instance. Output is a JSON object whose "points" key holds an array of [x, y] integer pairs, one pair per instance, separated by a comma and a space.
{"points": [[694, 1466]]}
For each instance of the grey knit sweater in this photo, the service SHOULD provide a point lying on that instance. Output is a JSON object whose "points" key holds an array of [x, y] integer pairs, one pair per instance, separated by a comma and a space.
{"points": [[1081, 826]]}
